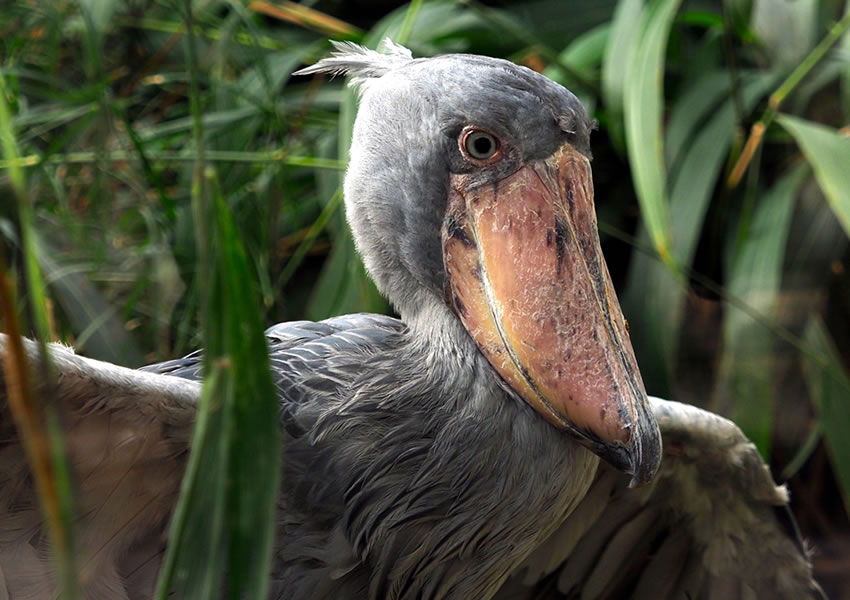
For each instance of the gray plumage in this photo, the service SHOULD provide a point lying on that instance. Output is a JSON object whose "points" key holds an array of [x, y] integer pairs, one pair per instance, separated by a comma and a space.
{"points": [[411, 469]]}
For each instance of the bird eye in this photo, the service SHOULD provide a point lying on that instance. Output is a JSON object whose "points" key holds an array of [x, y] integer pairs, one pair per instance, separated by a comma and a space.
{"points": [[478, 144]]}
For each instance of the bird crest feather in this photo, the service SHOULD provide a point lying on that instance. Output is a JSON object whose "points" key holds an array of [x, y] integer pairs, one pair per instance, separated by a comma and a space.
{"points": [[349, 58]]}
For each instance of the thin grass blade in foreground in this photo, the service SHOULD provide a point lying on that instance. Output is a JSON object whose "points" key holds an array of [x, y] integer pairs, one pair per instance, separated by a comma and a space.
{"points": [[223, 527], [36, 417], [829, 154], [224, 524]]}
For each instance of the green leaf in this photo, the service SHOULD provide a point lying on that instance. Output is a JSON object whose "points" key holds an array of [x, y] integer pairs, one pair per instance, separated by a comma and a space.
{"points": [[643, 102], [695, 175], [227, 507], [829, 154], [587, 51], [702, 18], [254, 452], [691, 109], [625, 29], [194, 557], [50, 466], [829, 386], [654, 297], [746, 377], [845, 76], [224, 524]]}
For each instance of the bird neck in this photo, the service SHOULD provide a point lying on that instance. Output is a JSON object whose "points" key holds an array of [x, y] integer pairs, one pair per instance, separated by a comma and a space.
{"points": [[471, 456], [451, 358]]}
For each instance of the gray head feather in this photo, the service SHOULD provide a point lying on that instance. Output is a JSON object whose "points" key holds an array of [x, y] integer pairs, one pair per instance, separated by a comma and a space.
{"points": [[352, 59], [404, 150]]}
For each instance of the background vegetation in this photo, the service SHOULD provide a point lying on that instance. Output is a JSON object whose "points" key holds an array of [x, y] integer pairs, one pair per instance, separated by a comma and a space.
{"points": [[722, 173]]}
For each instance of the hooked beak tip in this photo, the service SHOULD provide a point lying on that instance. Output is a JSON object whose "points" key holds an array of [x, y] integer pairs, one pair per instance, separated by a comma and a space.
{"points": [[645, 452], [640, 457]]}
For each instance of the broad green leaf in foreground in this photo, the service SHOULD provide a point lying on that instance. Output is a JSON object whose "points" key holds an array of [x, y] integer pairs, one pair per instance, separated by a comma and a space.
{"points": [[829, 154]]}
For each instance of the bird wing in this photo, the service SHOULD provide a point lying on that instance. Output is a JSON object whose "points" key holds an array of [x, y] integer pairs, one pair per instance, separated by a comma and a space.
{"points": [[127, 434], [712, 524]]}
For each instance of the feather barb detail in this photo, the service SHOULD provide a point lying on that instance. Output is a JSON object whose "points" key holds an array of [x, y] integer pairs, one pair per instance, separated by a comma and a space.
{"points": [[349, 58]]}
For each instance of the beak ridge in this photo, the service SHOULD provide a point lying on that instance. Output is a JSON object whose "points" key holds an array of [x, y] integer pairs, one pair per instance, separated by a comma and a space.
{"points": [[528, 280]]}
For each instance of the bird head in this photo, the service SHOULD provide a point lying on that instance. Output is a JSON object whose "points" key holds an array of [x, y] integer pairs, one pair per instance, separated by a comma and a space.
{"points": [[470, 186]]}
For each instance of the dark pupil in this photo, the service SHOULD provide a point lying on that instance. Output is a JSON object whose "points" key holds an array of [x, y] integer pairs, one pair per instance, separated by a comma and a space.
{"points": [[482, 145]]}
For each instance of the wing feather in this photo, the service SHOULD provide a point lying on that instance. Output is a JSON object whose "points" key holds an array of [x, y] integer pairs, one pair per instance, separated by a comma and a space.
{"points": [[713, 524], [127, 433]]}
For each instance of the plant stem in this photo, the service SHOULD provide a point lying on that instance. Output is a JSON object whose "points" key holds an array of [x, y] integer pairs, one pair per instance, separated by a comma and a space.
{"points": [[758, 129]]}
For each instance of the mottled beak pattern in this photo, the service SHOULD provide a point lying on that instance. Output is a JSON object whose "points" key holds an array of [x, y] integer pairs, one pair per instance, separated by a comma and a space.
{"points": [[528, 280]]}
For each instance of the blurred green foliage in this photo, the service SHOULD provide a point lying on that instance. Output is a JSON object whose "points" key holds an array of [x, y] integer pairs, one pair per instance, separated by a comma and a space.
{"points": [[721, 172]]}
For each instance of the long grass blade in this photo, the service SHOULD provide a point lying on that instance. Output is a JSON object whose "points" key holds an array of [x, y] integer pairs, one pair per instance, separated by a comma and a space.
{"points": [[222, 531], [625, 31], [194, 560], [747, 372], [277, 156], [655, 297], [36, 417], [409, 20], [829, 388], [643, 101], [254, 451]]}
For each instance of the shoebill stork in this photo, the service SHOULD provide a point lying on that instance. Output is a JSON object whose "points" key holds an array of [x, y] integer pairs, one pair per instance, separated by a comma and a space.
{"points": [[496, 441]]}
